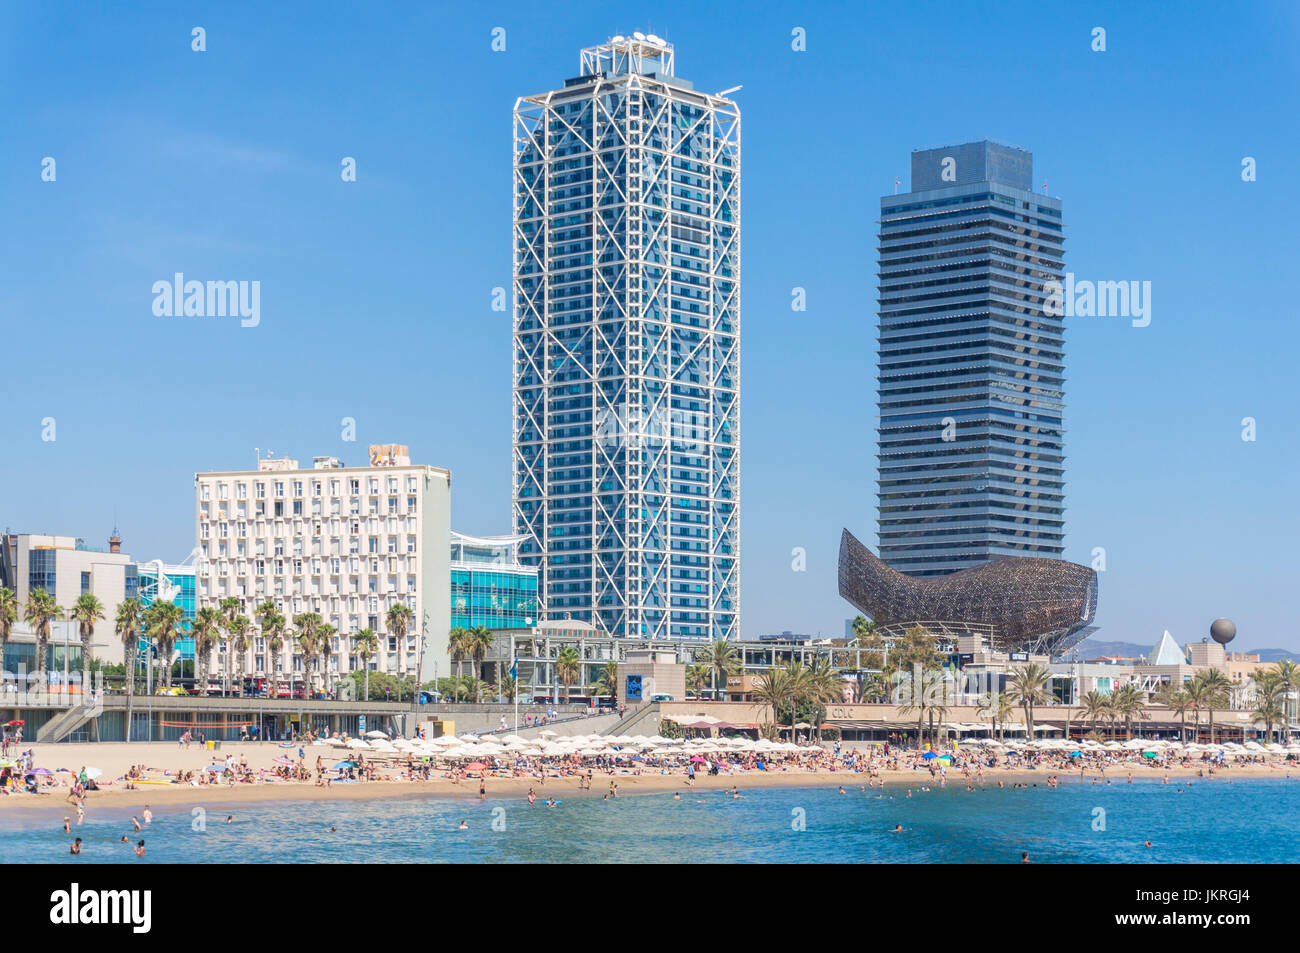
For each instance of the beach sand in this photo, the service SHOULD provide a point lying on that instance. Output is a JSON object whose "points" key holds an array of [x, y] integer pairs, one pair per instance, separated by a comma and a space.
{"points": [[116, 758]]}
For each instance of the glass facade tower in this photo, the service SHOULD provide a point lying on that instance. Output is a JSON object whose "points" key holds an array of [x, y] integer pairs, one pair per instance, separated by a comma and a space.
{"points": [[971, 367], [627, 346]]}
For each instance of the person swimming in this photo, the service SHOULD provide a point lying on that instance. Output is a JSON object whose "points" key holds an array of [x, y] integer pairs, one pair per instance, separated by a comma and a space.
{"points": [[1024, 856], [139, 849], [67, 825], [464, 826], [135, 822], [76, 846]]}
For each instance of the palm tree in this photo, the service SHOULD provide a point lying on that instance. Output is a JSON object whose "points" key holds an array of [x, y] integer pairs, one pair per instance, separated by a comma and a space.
{"points": [[163, 624], [266, 611], [477, 642], [1178, 701], [86, 611], [458, 646], [276, 630], [568, 668], [41, 610], [398, 618], [239, 628], [1217, 686], [307, 649], [1097, 708], [722, 660], [8, 616], [697, 676], [1198, 697], [1028, 687], [998, 707], [1269, 710], [366, 644], [206, 630], [1288, 673], [606, 682], [231, 608], [325, 634], [127, 627], [775, 688], [1127, 703], [308, 623]]}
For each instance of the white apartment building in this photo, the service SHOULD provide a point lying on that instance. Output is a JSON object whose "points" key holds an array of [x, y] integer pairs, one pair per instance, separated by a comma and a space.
{"points": [[345, 542]]}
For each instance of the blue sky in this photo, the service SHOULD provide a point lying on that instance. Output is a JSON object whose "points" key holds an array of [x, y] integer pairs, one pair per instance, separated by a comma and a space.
{"points": [[376, 295]]}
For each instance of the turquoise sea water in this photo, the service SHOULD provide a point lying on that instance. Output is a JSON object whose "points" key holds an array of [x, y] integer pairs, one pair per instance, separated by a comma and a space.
{"points": [[1249, 821]]}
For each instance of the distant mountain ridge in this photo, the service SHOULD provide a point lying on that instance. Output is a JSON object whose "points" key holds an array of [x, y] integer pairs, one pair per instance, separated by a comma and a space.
{"points": [[1090, 649]]}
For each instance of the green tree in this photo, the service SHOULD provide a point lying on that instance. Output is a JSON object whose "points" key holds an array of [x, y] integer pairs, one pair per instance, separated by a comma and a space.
{"points": [[366, 644], [41, 610], [8, 616], [1215, 689], [398, 619], [127, 627], [86, 611], [163, 626], [206, 630], [722, 659], [1027, 687], [607, 679], [1127, 703], [239, 628], [568, 668]]}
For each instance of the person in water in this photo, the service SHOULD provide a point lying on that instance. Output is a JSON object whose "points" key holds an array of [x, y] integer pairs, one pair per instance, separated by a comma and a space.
{"points": [[464, 826], [139, 849], [76, 846]]}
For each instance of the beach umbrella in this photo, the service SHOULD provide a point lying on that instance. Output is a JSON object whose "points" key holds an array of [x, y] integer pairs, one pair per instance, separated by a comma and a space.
{"points": [[928, 755], [698, 758], [344, 764], [93, 773], [46, 772], [376, 734], [475, 766], [282, 760], [357, 743]]}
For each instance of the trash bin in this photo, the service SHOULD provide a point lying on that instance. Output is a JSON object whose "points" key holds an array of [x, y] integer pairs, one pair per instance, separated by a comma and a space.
{"points": [[216, 745], [210, 745]]}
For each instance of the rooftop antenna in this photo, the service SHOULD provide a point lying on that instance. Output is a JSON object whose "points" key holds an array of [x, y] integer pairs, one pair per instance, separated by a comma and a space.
{"points": [[897, 183]]}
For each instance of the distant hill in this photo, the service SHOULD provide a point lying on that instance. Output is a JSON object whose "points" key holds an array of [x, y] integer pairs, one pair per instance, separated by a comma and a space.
{"points": [[1090, 649], [1275, 655]]}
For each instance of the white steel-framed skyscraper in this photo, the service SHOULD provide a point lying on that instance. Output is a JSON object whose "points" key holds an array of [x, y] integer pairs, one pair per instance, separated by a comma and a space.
{"points": [[627, 346]]}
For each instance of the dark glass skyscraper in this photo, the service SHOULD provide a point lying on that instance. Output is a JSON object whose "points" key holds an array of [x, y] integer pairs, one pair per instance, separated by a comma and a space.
{"points": [[971, 368]]}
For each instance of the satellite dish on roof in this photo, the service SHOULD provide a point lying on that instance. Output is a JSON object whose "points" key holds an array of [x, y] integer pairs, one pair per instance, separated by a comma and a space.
{"points": [[654, 39], [639, 35], [618, 39]]}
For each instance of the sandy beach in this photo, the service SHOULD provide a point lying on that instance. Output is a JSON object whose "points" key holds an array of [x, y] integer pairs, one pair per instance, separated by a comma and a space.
{"points": [[116, 759]]}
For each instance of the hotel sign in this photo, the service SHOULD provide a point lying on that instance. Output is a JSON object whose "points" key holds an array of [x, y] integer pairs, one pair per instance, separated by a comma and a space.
{"points": [[390, 455]]}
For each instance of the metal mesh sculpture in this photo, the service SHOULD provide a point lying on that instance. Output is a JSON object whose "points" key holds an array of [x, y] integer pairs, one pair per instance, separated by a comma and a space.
{"points": [[1035, 605]]}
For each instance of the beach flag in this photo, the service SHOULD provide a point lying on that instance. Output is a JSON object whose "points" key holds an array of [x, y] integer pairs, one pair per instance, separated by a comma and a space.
{"points": [[514, 669]]}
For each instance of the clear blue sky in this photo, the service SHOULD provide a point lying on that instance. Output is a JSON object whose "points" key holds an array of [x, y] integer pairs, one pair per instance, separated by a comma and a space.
{"points": [[376, 296]]}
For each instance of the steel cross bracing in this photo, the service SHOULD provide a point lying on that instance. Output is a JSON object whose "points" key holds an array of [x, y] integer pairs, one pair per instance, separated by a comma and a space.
{"points": [[622, 144]]}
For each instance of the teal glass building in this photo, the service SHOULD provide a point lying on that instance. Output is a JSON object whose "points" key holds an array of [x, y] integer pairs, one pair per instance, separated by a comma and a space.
{"points": [[489, 587], [178, 586], [972, 372]]}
